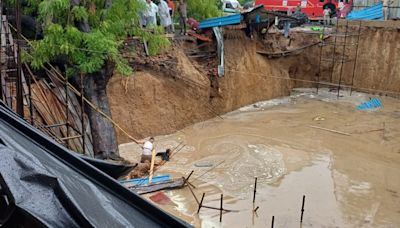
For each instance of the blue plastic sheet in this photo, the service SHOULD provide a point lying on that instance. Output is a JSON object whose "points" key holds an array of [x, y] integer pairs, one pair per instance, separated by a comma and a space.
{"points": [[374, 103], [374, 12]]}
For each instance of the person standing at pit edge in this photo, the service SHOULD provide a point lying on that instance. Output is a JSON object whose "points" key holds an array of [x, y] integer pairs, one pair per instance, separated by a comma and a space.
{"points": [[165, 18], [327, 16], [386, 4], [171, 7], [150, 14], [183, 15]]}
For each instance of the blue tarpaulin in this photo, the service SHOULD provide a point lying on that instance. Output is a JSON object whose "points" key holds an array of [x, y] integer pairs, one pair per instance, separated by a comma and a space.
{"points": [[220, 21], [374, 103], [145, 181], [374, 12]]}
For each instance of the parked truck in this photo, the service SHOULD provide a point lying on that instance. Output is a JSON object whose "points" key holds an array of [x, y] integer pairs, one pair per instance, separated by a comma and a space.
{"points": [[312, 8]]}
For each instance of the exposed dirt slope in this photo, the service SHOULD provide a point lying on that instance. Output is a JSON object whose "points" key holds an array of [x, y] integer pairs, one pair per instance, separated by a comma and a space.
{"points": [[249, 76], [155, 103], [377, 65], [170, 92], [167, 94]]}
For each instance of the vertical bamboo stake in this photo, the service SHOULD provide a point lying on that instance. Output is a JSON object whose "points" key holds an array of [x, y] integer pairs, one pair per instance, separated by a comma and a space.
{"points": [[153, 157]]}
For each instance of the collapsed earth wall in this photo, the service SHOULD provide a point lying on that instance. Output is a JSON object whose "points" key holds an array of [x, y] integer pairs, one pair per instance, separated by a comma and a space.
{"points": [[161, 101]]}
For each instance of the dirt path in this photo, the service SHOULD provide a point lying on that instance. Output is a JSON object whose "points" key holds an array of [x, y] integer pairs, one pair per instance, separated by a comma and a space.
{"points": [[349, 181]]}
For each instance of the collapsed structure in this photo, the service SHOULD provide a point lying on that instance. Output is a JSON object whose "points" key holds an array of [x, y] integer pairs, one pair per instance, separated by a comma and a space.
{"points": [[237, 60]]}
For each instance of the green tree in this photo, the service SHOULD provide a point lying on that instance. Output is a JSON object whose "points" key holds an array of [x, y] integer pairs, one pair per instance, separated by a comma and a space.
{"points": [[86, 36], [203, 9]]}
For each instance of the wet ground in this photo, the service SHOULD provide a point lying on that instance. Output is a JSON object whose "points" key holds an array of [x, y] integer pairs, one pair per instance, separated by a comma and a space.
{"points": [[350, 178]]}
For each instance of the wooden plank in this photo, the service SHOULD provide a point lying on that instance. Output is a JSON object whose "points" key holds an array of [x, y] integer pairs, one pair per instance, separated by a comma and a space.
{"points": [[200, 37], [42, 106], [54, 110]]}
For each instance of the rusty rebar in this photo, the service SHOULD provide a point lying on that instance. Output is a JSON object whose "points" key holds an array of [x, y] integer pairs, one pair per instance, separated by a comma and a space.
{"points": [[255, 190], [273, 220], [220, 210], [302, 209], [187, 178], [201, 203]]}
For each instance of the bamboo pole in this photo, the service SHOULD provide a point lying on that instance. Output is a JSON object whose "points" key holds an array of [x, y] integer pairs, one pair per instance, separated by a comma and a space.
{"points": [[153, 158], [330, 130]]}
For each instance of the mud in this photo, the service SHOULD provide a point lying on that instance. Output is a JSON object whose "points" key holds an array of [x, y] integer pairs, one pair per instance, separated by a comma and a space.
{"points": [[348, 181]]}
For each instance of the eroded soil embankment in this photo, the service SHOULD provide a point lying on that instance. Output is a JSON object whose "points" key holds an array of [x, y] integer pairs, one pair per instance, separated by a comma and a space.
{"points": [[158, 100], [169, 93], [373, 65]]}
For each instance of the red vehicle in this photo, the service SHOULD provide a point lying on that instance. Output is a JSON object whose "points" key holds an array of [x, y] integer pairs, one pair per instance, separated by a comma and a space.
{"points": [[312, 8]]}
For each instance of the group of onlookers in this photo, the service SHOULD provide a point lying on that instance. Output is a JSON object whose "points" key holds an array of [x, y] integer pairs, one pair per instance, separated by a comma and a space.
{"points": [[165, 9]]}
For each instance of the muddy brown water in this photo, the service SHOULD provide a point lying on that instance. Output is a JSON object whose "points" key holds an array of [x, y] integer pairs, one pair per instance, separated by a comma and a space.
{"points": [[348, 180]]}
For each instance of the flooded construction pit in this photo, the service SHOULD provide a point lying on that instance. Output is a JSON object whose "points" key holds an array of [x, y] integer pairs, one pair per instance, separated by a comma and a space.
{"points": [[345, 161]]}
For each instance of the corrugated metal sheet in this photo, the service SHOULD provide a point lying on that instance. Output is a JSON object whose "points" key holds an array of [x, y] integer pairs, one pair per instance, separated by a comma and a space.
{"points": [[370, 13], [394, 8], [220, 21]]}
